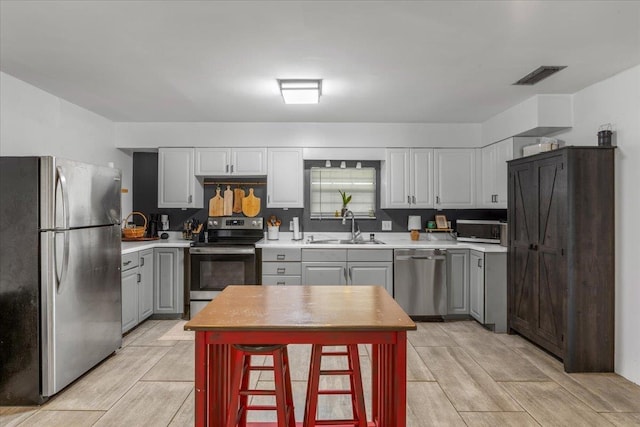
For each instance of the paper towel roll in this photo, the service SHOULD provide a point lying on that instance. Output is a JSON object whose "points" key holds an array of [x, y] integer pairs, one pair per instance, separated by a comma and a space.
{"points": [[296, 229]]}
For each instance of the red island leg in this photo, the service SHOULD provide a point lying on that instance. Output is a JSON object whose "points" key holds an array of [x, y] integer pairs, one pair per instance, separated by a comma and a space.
{"points": [[201, 380]]}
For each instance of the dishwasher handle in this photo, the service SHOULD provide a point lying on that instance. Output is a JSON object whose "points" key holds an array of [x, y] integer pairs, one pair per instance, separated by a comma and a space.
{"points": [[432, 258]]}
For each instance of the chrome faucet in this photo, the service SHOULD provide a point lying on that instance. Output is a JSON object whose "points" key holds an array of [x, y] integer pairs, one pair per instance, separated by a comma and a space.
{"points": [[354, 233]]}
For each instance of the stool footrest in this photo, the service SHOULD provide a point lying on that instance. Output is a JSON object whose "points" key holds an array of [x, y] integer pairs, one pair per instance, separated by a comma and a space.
{"points": [[337, 372], [337, 422], [335, 392], [335, 353], [257, 392]]}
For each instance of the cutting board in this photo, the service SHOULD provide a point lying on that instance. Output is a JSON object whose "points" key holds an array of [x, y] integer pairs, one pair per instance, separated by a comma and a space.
{"points": [[228, 201], [251, 205], [216, 204], [238, 195]]}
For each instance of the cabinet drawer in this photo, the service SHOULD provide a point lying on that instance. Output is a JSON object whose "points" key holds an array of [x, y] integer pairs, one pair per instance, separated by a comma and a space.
{"points": [[288, 254], [129, 261], [322, 255], [268, 280], [281, 268], [382, 255]]}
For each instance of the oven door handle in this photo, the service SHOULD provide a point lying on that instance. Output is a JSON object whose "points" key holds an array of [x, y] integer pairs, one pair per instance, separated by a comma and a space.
{"points": [[222, 251]]}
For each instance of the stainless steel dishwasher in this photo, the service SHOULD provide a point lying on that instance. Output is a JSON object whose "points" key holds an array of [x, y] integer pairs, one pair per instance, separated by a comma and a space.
{"points": [[420, 282]]}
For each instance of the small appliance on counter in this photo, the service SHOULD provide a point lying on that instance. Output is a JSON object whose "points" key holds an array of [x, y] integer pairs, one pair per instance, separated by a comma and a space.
{"points": [[481, 231], [152, 231]]}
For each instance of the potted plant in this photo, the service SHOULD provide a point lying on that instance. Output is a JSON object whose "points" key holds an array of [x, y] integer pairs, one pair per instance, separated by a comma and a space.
{"points": [[345, 201]]}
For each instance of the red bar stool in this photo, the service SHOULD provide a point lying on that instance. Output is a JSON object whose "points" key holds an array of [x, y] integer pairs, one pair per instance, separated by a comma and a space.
{"points": [[355, 379], [239, 403]]}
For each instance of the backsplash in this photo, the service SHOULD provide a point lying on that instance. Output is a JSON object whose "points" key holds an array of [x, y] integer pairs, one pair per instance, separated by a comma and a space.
{"points": [[145, 200]]}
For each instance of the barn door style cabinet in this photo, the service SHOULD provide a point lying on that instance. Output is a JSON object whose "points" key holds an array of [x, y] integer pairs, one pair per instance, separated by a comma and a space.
{"points": [[561, 254]]}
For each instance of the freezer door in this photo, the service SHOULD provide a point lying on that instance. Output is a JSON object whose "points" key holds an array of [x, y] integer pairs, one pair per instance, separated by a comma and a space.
{"points": [[81, 319], [75, 194]]}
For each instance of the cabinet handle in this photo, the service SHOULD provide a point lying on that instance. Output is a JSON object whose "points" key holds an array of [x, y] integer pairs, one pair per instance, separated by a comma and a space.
{"points": [[139, 278], [280, 257], [350, 275], [438, 200], [533, 247], [346, 278], [226, 168], [413, 199], [231, 168], [280, 283], [409, 199], [268, 199], [281, 270], [141, 262], [480, 262], [190, 198], [127, 262]]}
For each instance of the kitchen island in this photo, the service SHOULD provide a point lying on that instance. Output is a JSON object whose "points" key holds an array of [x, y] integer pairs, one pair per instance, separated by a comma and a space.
{"points": [[331, 315]]}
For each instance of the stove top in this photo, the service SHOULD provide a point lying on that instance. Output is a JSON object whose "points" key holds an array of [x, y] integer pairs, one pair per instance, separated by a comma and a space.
{"points": [[231, 231]]}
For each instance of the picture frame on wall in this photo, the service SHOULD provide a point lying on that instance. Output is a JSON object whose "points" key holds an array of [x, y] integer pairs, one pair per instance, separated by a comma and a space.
{"points": [[441, 221]]}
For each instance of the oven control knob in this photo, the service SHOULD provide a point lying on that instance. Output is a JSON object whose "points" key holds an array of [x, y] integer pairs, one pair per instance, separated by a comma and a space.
{"points": [[215, 223], [254, 223]]}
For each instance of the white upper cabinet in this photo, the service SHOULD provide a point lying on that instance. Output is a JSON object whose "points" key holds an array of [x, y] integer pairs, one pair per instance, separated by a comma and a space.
{"points": [[231, 161], [285, 178], [407, 176], [178, 186], [493, 189], [454, 178]]}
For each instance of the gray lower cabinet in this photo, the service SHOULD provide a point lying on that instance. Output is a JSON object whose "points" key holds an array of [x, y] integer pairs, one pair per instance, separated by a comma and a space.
{"points": [[488, 289], [281, 266], [137, 288], [348, 267], [145, 287], [458, 282], [168, 292]]}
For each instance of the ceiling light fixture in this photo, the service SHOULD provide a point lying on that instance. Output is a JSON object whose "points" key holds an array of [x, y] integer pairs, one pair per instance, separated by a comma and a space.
{"points": [[300, 91]]}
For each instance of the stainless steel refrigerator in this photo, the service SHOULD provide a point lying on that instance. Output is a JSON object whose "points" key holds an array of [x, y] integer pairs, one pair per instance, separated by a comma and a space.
{"points": [[60, 250]]}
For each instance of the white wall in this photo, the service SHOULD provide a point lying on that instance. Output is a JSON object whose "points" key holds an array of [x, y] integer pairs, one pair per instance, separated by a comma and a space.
{"points": [[36, 123], [617, 101], [153, 135]]}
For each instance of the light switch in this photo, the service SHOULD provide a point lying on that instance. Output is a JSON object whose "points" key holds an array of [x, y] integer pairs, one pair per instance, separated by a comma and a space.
{"points": [[386, 225]]}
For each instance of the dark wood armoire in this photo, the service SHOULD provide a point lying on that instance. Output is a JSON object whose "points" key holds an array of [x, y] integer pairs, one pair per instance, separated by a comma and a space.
{"points": [[561, 261]]}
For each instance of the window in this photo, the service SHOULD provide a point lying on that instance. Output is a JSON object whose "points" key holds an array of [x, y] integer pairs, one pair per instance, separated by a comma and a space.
{"points": [[326, 200]]}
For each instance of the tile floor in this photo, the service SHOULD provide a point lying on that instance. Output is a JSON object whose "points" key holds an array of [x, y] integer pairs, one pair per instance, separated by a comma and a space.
{"points": [[458, 374]]}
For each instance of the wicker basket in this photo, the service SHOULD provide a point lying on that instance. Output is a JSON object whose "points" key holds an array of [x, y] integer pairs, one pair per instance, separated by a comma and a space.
{"points": [[136, 231]]}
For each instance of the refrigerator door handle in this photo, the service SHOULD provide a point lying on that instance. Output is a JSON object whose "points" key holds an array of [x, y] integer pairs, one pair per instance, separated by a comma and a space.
{"points": [[65, 197], [65, 260]]}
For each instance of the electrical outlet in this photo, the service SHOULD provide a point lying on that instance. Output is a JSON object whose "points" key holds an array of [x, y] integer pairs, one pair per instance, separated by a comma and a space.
{"points": [[386, 225], [291, 225]]}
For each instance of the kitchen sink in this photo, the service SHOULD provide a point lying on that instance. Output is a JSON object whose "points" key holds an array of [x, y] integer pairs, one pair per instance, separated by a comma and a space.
{"points": [[345, 242]]}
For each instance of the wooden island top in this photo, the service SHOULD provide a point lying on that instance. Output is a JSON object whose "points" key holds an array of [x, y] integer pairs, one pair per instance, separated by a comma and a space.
{"points": [[302, 308]]}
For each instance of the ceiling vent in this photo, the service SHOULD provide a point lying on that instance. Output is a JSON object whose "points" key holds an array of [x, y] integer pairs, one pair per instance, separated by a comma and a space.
{"points": [[539, 73]]}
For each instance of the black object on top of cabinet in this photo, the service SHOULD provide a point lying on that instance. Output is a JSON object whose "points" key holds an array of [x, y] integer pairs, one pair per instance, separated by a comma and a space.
{"points": [[561, 254]]}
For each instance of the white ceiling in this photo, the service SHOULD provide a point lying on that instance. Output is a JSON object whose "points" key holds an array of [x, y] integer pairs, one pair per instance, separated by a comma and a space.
{"points": [[381, 61]]}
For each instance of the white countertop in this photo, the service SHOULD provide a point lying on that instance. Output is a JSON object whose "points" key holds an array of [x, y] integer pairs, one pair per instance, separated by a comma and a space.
{"points": [[174, 241], [391, 241]]}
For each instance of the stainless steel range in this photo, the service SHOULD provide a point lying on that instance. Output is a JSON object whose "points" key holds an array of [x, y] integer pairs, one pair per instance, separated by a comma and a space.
{"points": [[226, 256]]}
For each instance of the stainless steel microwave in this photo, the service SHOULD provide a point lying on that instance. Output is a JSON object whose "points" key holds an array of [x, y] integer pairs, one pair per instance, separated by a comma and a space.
{"points": [[484, 231]]}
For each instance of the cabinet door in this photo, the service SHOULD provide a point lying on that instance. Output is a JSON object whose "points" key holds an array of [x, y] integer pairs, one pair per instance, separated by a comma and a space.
{"points": [[503, 153], [249, 161], [396, 179], [178, 186], [476, 285], [129, 299], [213, 161], [145, 287], [285, 178], [454, 178], [488, 185], [367, 273], [523, 228], [552, 229], [422, 178], [168, 264], [324, 273], [458, 282]]}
